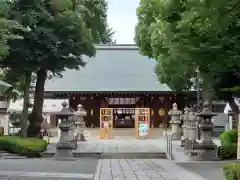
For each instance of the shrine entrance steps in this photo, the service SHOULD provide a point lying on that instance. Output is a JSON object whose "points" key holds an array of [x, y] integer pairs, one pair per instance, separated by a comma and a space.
{"points": [[120, 147], [127, 132]]}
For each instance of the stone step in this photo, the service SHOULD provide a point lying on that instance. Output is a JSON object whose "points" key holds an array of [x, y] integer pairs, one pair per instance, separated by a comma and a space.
{"points": [[13, 157], [114, 155], [7, 155]]}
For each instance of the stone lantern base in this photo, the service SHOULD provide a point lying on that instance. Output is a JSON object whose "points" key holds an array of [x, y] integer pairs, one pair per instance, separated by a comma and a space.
{"points": [[176, 135], [206, 152], [64, 152], [191, 147]]}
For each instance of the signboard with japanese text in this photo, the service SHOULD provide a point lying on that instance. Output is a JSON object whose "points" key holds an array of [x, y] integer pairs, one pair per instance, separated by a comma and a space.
{"points": [[143, 129], [142, 123], [106, 123]]}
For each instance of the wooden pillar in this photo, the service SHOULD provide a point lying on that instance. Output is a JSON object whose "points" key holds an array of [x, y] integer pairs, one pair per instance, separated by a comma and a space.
{"points": [[96, 111], [87, 104], [154, 112]]}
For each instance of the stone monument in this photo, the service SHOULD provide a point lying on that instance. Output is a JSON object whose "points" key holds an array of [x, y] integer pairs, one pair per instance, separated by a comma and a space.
{"points": [[207, 148], [175, 122], [79, 123], [64, 146], [184, 126]]}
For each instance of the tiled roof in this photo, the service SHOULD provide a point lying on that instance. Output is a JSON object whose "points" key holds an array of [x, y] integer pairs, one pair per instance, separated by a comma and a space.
{"points": [[115, 68]]}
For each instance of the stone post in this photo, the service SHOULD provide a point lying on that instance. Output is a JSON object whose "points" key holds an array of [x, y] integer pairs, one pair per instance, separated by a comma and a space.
{"points": [[175, 122], [64, 146], [207, 148], [192, 135], [231, 120], [72, 129], [192, 128], [80, 124], [185, 128]]}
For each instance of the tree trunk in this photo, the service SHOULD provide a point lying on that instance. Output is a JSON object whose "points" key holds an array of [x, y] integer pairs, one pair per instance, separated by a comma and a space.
{"points": [[24, 115], [35, 118]]}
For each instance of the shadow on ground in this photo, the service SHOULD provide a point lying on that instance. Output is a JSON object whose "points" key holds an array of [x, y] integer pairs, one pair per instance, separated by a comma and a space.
{"points": [[210, 171]]}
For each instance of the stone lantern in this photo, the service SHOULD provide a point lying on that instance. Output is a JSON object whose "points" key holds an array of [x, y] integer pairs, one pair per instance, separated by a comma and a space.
{"points": [[64, 146], [175, 122], [80, 124], [185, 118], [207, 148]]}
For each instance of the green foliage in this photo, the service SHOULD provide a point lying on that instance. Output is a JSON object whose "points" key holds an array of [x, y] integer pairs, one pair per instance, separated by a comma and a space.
{"points": [[96, 20], [30, 147], [59, 33], [7, 28], [16, 79], [183, 35], [228, 148], [227, 84], [94, 14], [231, 171]]}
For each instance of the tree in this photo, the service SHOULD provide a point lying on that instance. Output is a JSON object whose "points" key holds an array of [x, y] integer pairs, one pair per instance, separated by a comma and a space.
{"points": [[91, 16], [58, 31], [11, 30], [185, 35], [59, 35]]}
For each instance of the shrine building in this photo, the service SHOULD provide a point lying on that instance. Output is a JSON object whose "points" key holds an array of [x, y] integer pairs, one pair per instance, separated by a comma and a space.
{"points": [[117, 77]]}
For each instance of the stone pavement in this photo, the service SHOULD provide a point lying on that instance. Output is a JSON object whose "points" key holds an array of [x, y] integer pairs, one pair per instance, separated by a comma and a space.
{"points": [[47, 169], [133, 169], [92, 169], [211, 170]]}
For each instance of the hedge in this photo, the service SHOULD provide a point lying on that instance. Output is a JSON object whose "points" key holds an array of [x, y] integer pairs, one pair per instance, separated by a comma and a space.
{"points": [[30, 147], [231, 171], [228, 148]]}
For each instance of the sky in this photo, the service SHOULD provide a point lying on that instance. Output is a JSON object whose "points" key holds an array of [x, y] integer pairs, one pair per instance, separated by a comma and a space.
{"points": [[122, 18]]}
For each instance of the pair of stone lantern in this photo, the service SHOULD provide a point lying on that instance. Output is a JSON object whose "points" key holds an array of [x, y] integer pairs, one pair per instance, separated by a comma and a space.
{"points": [[80, 124], [175, 122]]}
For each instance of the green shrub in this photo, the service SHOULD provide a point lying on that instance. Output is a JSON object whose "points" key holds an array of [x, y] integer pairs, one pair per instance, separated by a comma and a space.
{"points": [[229, 136], [228, 148], [30, 147], [231, 171]]}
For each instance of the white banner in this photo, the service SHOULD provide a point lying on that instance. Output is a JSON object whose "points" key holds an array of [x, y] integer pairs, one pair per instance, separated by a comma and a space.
{"points": [[143, 129]]}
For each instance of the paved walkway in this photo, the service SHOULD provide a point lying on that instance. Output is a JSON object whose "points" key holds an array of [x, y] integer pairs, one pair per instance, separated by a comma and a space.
{"points": [[130, 169], [210, 170], [47, 169], [92, 169]]}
